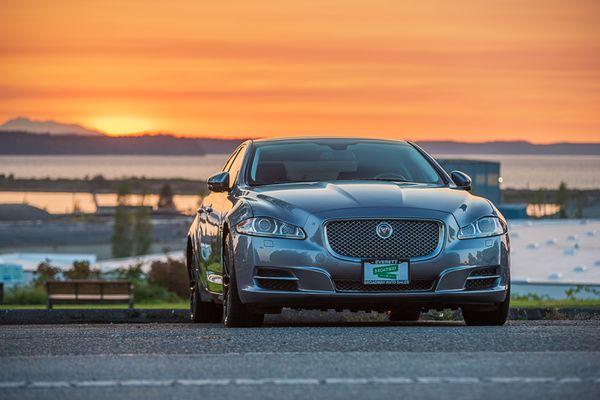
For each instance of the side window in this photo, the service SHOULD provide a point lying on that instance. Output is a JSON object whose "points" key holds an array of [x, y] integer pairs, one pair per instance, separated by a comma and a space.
{"points": [[236, 164]]}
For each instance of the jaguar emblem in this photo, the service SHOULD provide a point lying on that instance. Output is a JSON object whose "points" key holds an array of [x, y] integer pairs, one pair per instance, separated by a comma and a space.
{"points": [[384, 230]]}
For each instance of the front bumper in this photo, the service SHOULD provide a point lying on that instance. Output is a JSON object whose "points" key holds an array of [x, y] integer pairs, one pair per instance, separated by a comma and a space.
{"points": [[315, 270]]}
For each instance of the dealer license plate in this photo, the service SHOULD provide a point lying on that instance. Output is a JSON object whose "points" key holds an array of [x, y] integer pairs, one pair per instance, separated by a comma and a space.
{"points": [[386, 272]]}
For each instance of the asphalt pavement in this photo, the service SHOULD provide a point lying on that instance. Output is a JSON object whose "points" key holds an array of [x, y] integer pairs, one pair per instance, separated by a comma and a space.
{"points": [[524, 359]]}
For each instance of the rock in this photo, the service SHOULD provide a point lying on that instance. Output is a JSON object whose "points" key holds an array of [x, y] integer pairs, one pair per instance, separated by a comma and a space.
{"points": [[555, 276], [580, 268], [551, 242], [533, 246], [569, 252], [572, 237]]}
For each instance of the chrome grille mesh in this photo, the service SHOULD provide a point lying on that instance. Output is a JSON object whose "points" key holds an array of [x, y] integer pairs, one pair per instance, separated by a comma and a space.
{"points": [[343, 285], [273, 284], [484, 271], [358, 238], [478, 284]]}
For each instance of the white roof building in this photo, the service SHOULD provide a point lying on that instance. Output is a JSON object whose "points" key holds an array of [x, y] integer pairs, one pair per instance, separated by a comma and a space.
{"points": [[30, 261], [145, 261]]}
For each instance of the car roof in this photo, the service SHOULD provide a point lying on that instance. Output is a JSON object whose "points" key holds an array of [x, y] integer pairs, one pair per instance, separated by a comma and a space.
{"points": [[328, 139]]}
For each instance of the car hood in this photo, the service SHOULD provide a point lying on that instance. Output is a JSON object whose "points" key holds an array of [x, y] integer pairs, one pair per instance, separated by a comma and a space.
{"points": [[319, 198]]}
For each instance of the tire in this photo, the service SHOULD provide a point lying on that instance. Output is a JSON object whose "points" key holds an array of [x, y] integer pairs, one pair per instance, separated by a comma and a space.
{"points": [[235, 313], [404, 314], [497, 317], [203, 311]]}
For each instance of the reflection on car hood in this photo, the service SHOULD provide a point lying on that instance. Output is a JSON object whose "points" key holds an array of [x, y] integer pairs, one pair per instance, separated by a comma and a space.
{"points": [[322, 196]]}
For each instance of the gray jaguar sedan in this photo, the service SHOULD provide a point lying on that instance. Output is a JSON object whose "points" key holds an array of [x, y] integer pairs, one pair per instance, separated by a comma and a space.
{"points": [[344, 224]]}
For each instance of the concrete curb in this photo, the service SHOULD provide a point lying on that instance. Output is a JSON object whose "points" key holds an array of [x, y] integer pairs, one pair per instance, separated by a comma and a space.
{"points": [[554, 313], [142, 316], [91, 316]]}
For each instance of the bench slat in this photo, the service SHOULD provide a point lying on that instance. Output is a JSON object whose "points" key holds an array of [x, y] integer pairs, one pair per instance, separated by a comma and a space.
{"points": [[89, 291]]}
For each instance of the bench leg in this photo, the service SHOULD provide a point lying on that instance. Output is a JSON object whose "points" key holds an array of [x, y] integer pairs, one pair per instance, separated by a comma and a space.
{"points": [[49, 304], [131, 304]]}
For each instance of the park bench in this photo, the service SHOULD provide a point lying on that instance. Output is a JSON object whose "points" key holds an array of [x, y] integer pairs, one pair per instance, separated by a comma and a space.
{"points": [[88, 292]]}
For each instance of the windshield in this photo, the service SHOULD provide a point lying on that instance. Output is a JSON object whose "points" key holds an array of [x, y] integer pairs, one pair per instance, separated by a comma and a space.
{"points": [[339, 160]]}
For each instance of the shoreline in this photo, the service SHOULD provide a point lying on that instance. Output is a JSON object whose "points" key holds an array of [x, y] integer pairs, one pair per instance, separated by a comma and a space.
{"points": [[99, 185], [142, 185]]}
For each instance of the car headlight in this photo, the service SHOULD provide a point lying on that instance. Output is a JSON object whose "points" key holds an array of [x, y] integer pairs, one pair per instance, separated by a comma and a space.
{"points": [[483, 227], [271, 227]]}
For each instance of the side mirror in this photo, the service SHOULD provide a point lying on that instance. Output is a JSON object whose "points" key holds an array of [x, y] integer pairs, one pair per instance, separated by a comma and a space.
{"points": [[218, 182], [462, 180]]}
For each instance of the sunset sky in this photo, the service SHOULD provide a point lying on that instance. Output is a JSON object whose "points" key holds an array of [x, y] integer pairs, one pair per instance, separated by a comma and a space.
{"points": [[469, 71]]}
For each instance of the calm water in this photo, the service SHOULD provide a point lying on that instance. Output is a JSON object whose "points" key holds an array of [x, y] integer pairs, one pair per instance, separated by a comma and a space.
{"points": [[518, 171], [112, 166], [66, 202]]}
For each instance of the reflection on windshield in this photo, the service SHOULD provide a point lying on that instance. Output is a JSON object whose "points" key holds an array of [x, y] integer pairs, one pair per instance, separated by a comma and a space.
{"points": [[338, 160]]}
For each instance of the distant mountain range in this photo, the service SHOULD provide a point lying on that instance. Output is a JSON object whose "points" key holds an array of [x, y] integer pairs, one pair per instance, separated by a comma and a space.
{"points": [[15, 143], [25, 143], [521, 147], [25, 136], [22, 124]]}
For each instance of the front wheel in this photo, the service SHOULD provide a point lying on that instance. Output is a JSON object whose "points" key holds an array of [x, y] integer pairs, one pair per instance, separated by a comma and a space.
{"points": [[202, 311], [496, 317], [235, 313]]}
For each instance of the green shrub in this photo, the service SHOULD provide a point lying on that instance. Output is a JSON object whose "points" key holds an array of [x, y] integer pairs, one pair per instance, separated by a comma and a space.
{"points": [[172, 275], [133, 273], [81, 270], [25, 295], [529, 297], [144, 292], [580, 289], [45, 272]]}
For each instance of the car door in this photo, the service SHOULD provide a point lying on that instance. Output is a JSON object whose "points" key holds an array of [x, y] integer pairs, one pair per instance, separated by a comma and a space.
{"points": [[212, 211]]}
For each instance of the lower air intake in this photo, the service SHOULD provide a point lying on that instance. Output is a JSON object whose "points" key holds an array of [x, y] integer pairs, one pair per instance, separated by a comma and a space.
{"points": [[276, 284], [479, 284], [423, 285]]}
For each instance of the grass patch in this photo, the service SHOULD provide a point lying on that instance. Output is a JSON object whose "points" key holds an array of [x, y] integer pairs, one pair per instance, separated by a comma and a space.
{"points": [[514, 303], [153, 305], [543, 303]]}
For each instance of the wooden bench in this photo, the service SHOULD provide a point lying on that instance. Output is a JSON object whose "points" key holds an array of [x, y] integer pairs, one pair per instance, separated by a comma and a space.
{"points": [[88, 292]]}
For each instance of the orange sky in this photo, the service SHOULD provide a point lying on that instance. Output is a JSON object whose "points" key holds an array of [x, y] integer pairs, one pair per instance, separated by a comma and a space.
{"points": [[472, 70]]}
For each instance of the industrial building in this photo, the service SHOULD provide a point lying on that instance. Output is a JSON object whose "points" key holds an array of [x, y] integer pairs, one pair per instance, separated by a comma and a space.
{"points": [[486, 183]]}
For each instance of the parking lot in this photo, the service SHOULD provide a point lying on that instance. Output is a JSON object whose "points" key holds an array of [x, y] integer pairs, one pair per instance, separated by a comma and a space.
{"points": [[524, 359]]}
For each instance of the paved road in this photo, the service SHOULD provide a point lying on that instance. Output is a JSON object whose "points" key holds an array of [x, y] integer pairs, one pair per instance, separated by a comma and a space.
{"points": [[543, 359]]}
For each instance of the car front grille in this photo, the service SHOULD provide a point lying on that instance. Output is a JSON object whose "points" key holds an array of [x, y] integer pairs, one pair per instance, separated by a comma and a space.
{"points": [[275, 284], [482, 278], [479, 284], [343, 285], [485, 271], [272, 272], [358, 238]]}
